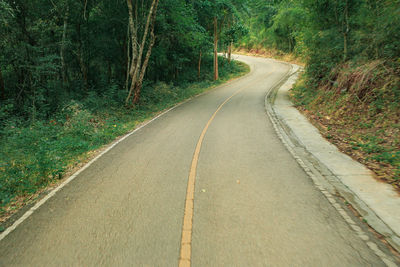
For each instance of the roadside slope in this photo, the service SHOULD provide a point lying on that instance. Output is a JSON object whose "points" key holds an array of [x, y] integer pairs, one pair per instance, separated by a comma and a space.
{"points": [[378, 203]]}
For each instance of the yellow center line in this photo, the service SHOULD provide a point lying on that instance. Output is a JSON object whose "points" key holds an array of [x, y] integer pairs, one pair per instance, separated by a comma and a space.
{"points": [[186, 241]]}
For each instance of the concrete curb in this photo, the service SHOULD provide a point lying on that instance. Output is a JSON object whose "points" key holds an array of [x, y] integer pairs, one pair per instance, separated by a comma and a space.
{"points": [[376, 202]]}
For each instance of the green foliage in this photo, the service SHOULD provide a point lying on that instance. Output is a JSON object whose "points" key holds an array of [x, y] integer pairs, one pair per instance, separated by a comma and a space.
{"points": [[6, 13], [57, 51], [325, 33], [286, 27]]}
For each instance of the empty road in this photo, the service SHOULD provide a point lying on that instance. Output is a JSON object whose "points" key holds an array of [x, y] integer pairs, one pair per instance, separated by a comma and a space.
{"points": [[253, 205]]}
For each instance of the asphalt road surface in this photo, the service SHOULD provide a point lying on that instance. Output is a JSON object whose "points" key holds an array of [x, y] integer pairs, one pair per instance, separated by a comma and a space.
{"points": [[253, 204]]}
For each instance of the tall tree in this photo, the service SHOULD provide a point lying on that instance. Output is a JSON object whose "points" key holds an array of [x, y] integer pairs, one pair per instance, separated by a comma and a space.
{"points": [[215, 16], [216, 73], [6, 14], [137, 67]]}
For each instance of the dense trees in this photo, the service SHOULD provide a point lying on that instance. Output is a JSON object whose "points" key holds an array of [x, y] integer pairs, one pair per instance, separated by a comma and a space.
{"points": [[55, 51], [351, 83], [326, 32]]}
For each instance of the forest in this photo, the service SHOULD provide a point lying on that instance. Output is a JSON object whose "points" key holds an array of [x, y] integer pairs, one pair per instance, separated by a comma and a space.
{"points": [[76, 74], [351, 85]]}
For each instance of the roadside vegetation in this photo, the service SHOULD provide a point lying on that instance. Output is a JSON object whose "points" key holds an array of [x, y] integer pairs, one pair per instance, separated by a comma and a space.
{"points": [[37, 154], [359, 111], [350, 87], [75, 75]]}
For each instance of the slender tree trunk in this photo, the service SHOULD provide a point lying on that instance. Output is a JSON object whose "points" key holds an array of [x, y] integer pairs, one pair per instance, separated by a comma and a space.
{"points": [[81, 61], [109, 72], [215, 49], [344, 46], [2, 87], [87, 44], [144, 67], [230, 52], [345, 31], [225, 55], [133, 35], [84, 9], [84, 69], [141, 48], [62, 50], [33, 118], [230, 41], [139, 83], [128, 59], [376, 10], [199, 65]]}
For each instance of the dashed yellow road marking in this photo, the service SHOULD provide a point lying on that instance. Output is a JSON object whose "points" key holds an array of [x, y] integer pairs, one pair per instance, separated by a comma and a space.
{"points": [[186, 241]]}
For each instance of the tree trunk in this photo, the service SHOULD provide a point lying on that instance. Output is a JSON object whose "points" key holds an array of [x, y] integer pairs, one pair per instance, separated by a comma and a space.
{"points": [[344, 47], [230, 41], [215, 49], [64, 74], [84, 70], [128, 59], [230, 52], [376, 10], [109, 72], [81, 61], [136, 71], [2, 88], [84, 9], [144, 67], [199, 66], [345, 31], [133, 35]]}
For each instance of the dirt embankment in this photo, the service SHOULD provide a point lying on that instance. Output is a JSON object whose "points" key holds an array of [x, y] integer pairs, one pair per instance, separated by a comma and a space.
{"points": [[358, 109]]}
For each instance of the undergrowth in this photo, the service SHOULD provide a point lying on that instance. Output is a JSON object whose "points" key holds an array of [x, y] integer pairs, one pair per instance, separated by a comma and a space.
{"points": [[36, 154], [358, 108]]}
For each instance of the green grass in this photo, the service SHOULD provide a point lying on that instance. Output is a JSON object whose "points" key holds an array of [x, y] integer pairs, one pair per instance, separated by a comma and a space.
{"points": [[36, 155]]}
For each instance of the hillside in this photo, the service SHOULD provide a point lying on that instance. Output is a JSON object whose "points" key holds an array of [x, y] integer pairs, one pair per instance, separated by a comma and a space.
{"points": [[350, 88]]}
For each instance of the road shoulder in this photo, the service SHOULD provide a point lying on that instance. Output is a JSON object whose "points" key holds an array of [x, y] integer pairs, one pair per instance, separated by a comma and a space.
{"points": [[378, 203]]}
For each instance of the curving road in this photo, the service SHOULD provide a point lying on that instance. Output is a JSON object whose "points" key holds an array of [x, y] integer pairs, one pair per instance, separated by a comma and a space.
{"points": [[253, 205]]}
